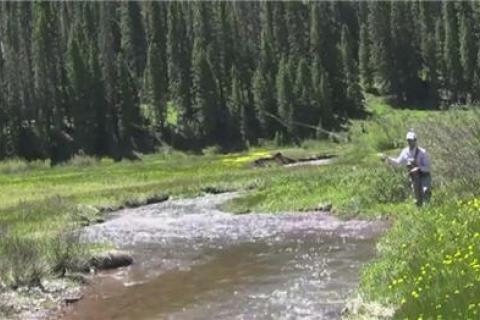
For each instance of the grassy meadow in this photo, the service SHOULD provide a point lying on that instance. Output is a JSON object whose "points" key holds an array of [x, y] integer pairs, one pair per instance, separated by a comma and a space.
{"points": [[428, 264]]}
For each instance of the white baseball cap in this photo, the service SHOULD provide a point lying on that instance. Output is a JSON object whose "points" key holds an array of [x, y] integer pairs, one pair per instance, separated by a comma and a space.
{"points": [[411, 135]]}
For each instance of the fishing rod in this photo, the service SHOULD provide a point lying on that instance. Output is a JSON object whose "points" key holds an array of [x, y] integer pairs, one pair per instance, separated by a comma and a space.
{"points": [[308, 126]]}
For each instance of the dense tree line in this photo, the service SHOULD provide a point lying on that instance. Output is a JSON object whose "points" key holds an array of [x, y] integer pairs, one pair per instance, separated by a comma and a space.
{"points": [[421, 52], [112, 78]]}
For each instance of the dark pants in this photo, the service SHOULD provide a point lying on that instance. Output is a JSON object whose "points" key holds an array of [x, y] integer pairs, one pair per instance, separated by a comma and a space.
{"points": [[422, 187]]}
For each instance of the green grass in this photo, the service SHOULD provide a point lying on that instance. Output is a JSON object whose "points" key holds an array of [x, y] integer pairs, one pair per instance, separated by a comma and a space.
{"points": [[38, 203], [366, 190], [429, 265]]}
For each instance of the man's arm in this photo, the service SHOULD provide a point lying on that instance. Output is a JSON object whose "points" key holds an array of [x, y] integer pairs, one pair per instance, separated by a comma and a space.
{"points": [[400, 160]]}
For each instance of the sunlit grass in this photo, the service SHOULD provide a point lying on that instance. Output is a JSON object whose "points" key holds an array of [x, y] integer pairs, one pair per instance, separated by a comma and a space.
{"points": [[239, 159]]}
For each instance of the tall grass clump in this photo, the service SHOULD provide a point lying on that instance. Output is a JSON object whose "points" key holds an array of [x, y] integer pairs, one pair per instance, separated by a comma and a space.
{"points": [[67, 254], [22, 262], [25, 261], [387, 185], [40, 240]]}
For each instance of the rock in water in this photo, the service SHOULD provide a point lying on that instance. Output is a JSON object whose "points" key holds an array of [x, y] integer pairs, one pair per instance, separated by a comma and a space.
{"points": [[73, 299], [111, 260]]}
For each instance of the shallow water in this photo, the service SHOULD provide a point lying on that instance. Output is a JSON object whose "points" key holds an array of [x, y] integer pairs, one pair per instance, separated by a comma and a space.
{"points": [[196, 262]]}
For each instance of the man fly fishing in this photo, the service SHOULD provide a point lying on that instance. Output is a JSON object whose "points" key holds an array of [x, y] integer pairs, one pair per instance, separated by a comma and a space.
{"points": [[418, 165]]}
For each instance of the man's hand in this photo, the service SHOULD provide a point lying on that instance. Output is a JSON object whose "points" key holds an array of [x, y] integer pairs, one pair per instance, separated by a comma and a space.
{"points": [[383, 157], [414, 170]]}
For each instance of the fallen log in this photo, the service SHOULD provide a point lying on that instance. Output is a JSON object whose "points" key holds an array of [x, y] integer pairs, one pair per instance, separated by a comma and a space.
{"points": [[278, 157], [282, 160]]}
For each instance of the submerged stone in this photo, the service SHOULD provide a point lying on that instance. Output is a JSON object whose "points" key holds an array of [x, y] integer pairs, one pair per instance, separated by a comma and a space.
{"points": [[111, 260]]}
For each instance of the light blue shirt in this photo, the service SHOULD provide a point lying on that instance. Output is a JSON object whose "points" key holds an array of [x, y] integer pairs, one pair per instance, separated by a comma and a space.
{"points": [[407, 155]]}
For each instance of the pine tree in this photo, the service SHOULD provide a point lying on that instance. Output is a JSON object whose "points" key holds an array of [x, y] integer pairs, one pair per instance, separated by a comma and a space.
{"points": [[268, 60], [133, 36], [304, 111], [97, 100], [428, 51], [324, 50], [238, 125], [468, 50], [451, 50], [354, 95], [203, 29], [406, 63], [205, 103], [156, 88], [155, 91], [179, 66], [364, 59], [108, 62], [48, 80], [224, 42], [297, 22], [414, 28], [280, 30], [317, 40], [23, 136], [3, 109], [12, 82], [79, 80], [228, 54], [439, 52], [322, 96], [204, 93], [381, 49], [476, 86], [129, 120], [363, 12], [24, 68], [325, 102], [285, 99], [263, 82], [263, 102], [90, 14]]}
